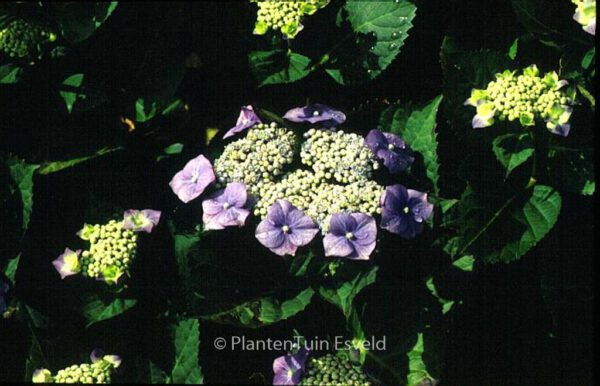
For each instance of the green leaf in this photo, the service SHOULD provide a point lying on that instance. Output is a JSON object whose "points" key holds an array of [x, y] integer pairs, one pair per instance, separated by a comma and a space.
{"points": [[35, 358], [157, 375], [342, 293], [78, 21], [536, 16], [512, 51], [446, 304], [56, 166], [419, 133], [96, 310], [264, 311], [380, 29], [186, 338], [22, 174], [465, 263], [538, 216], [512, 150], [9, 74], [278, 66], [417, 370], [11, 269], [588, 58], [145, 110], [70, 97], [184, 243], [272, 310]]}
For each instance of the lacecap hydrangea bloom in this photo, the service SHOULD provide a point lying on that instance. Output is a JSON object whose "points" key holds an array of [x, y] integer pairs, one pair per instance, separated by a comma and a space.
{"points": [[330, 190], [329, 369], [527, 98], [285, 16], [20, 39], [98, 372], [112, 247], [585, 14]]}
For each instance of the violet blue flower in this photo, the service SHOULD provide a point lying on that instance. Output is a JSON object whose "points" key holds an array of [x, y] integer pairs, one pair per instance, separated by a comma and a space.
{"points": [[3, 292], [247, 119], [98, 355], [191, 181], [141, 220], [351, 235], [226, 207], [289, 368], [285, 229], [394, 152], [404, 211], [325, 115], [67, 264]]}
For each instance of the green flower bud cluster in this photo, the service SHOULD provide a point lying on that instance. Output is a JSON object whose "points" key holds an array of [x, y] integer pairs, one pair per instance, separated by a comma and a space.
{"points": [[284, 15], [333, 370], [319, 199], [259, 157], [338, 155], [112, 249], [93, 373], [20, 39], [526, 97]]}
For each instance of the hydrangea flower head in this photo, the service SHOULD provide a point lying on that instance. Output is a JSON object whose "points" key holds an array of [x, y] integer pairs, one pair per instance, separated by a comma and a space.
{"points": [[351, 235], [324, 115], [585, 14], [321, 370], [285, 229], [394, 152], [284, 15], [527, 98], [404, 211], [289, 368], [68, 264], [247, 119], [227, 207], [191, 181], [141, 220]]}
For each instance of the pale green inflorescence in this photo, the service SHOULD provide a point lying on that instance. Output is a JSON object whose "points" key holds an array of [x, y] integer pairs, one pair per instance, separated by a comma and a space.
{"points": [[526, 97], [340, 179], [20, 39], [257, 158], [285, 16], [333, 370], [338, 155], [585, 14], [112, 250], [92, 373]]}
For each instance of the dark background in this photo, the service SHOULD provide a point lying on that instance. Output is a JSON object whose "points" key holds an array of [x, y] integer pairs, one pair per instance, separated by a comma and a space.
{"points": [[506, 332]]}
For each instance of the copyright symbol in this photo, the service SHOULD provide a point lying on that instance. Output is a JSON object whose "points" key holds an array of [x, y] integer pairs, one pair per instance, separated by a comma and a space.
{"points": [[220, 343]]}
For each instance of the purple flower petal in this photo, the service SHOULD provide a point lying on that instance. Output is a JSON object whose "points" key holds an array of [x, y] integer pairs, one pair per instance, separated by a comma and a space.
{"points": [[285, 229], [317, 113], [351, 235], [269, 234], [67, 264], [288, 369], [191, 181], [335, 245], [141, 221], [392, 149], [247, 119], [404, 211], [226, 207]]}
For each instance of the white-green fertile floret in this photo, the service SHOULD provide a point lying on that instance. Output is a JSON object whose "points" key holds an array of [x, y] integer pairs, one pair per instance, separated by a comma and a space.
{"points": [[339, 156], [258, 158]]}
